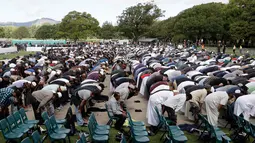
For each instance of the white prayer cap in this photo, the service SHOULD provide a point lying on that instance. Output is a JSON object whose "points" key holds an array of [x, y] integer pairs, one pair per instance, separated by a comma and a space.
{"points": [[12, 69], [238, 91], [54, 62], [101, 72], [33, 83], [59, 94], [39, 70], [63, 88], [12, 65]]}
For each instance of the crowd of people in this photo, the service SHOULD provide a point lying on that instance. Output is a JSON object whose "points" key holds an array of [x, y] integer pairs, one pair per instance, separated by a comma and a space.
{"points": [[173, 80]]}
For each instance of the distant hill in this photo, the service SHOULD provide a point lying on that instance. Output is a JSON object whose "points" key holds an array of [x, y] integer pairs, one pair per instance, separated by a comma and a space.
{"points": [[36, 22]]}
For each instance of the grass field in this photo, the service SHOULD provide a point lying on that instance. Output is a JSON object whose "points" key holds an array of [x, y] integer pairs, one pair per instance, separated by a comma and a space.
{"points": [[192, 138], [13, 55]]}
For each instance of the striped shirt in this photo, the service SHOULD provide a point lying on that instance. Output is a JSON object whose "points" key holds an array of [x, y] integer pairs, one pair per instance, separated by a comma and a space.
{"points": [[5, 97]]}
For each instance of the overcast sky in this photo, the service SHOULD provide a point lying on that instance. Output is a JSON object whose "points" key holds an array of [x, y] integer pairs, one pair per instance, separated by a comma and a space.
{"points": [[103, 10]]}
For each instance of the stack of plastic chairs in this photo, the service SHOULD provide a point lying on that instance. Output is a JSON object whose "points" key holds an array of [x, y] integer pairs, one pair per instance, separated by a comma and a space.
{"points": [[98, 133]]}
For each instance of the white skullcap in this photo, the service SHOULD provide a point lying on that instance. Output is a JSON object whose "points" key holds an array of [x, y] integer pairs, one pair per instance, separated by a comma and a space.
{"points": [[240, 84], [101, 72], [59, 94], [12, 65], [12, 69], [63, 88], [49, 70], [39, 70], [33, 73], [238, 91], [54, 62], [33, 83]]}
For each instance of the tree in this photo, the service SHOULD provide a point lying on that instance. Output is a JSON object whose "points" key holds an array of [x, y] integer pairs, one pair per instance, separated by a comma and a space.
{"points": [[46, 32], [8, 30], [241, 15], [76, 25], [2, 34], [21, 32], [202, 21], [107, 31], [136, 20], [32, 30]]}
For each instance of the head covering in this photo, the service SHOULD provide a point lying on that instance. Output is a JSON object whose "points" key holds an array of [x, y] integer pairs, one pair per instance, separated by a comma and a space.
{"points": [[59, 94], [33, 83], [12, 65]]}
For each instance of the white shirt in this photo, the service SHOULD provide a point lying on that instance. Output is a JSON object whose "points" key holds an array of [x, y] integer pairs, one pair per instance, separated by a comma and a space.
{"points": [[175, 102], [19, 83], [123, 85], [84, 94], [52, 87]]}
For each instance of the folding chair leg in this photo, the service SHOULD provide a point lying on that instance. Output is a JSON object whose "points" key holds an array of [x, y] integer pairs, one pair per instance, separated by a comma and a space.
{"points": [[163, 135], [201, 135], [226, 125], [69, 139], [109, 122]]}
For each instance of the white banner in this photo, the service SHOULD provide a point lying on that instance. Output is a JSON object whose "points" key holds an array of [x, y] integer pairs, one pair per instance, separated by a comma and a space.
{"points": [[8, 50]]}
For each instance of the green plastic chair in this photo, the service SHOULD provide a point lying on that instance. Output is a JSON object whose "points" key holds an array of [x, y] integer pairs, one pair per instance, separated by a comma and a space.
{"points": [[79, 141], [111, 118], [7, 133], [83, 138], [137, 132], [56, 128], [101, 127], [36, 137], [25, 119], [134, 123], [123, 139], [139, 137], [97, 131], [19, 122], [219, 135], [96, 137], [45, 117], [14, 127], [174, 129], [54, 136], [26, 140]]}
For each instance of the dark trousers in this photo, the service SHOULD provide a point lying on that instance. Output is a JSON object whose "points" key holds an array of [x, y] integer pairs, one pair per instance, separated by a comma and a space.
{"points": [[35, 104], [4, 112], [170, 112], [120, 121]]}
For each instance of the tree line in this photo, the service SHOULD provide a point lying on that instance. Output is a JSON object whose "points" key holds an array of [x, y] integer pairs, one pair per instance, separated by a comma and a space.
{"points": [[233, 22]]}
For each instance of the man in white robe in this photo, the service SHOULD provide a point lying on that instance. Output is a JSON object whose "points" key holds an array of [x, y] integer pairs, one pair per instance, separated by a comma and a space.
{"points": [[156, 100], [245, 105], [213, 103]]}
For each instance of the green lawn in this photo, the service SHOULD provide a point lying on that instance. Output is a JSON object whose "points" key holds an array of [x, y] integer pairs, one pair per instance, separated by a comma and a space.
{"points": [[13, 55], [192, 138]]}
